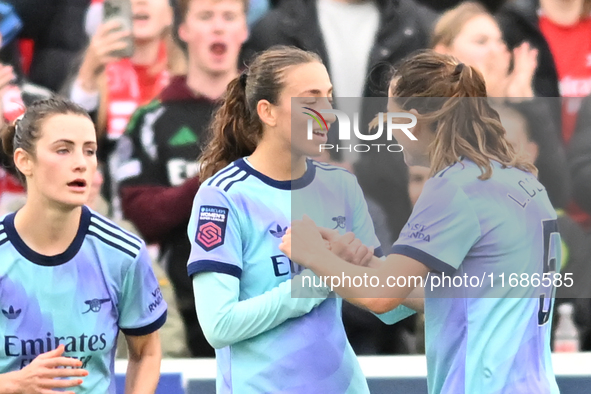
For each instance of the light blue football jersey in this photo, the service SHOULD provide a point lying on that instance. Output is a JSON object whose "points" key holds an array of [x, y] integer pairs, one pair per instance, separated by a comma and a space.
{"points": [[485, 338], [81, 298], [238, 219]]}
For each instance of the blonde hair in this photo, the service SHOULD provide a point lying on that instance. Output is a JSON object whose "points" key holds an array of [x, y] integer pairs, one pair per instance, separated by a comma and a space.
{"points": [[451, 22], [452, 96]]}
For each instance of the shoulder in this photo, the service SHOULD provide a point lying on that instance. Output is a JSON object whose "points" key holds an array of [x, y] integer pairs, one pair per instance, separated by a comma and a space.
{"points": [[460, 173], [112, 238], [325, 170], [229, 181], [137, 118], [332, 174], [3, 235]]}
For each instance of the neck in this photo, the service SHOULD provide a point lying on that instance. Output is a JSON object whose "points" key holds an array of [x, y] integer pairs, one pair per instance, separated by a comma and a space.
{"points": [[277, 162], [209, 85], [47, 230], [146, 52], [563, 12]]}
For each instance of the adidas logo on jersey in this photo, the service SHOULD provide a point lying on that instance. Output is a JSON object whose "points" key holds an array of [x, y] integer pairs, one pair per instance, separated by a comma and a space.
{"points": [[11, 313], [279, 232]]}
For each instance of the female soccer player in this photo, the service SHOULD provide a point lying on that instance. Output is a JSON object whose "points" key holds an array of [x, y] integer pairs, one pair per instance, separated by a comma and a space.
{"points": [[272, 331], [70, 279], [481, 214]]}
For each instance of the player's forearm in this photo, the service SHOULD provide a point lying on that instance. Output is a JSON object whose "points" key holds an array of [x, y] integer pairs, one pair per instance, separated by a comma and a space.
{"points": [[226, 321], [142, 375], [143, 368]]}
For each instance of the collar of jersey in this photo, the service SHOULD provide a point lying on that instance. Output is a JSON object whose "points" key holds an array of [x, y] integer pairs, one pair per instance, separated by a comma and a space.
{"points": [[40, 259], [295, 184]]}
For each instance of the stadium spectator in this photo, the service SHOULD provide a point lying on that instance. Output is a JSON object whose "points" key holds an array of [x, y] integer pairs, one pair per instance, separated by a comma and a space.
{"points": [[70, 276], [157, 157], [580, 158], [15, 94], [471, 34], [57, 30], [111, 88], [561, 30]]}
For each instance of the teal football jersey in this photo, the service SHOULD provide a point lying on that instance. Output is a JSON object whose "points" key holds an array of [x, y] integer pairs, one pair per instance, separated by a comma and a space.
{"points": [[485, 337], [81, 298], [238, 219]]}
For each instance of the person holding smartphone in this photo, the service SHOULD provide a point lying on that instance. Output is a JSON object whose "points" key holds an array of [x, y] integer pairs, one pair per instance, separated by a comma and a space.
{"points": [[110, 87]]}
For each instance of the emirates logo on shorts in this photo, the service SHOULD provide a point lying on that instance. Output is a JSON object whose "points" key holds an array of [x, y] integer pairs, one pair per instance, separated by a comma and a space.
{"points": [[211, 228], [210, 234]]}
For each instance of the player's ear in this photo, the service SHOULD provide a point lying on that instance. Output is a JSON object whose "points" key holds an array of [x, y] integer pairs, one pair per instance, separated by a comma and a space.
{"points": [[267, 113], [23, 161]]}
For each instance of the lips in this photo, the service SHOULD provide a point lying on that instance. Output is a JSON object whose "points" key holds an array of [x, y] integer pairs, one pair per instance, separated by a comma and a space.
{"points": [[218, 48], [141, 17], [79, 184]]}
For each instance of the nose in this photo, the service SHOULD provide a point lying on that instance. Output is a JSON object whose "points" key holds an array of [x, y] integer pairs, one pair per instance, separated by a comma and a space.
{"points": [[326, 104], [218, 24], [80, 162]]}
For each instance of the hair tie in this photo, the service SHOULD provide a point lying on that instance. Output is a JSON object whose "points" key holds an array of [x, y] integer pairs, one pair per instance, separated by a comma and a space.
{"points": [[17, 122], [459, 68], [243, 77]]}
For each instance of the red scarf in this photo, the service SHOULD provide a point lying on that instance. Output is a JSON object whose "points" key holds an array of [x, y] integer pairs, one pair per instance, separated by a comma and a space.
{"points": [[130, 86]]}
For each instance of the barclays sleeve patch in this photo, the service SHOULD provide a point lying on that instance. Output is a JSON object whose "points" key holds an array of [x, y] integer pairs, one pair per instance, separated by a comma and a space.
{"points": [[211, 227]]}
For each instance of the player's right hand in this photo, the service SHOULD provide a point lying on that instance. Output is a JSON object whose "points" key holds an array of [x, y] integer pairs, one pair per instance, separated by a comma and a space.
{"points": [[347, 247], [40, 376]]}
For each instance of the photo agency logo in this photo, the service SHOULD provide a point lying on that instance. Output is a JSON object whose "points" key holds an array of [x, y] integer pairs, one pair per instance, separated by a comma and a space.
{"points": [[392, 119]]}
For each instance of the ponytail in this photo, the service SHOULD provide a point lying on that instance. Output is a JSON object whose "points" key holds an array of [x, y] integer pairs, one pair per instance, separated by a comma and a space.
{"points": [[452, 97], [7, 137], [234, 131]]}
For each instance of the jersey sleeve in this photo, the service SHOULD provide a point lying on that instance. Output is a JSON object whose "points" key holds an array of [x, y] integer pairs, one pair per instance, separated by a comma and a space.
{"points": [[363, 227], [142, 309], [442, 228], [226, 320], [215, 234]]}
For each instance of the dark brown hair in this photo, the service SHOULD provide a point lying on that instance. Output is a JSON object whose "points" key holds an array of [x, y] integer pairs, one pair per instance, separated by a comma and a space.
{"points": [[464, 122], [26, 130], [236, 128]]}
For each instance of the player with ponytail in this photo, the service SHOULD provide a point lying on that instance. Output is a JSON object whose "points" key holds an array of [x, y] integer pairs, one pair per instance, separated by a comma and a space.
{"points": [[273, 331], [482, 215], [70, 279]]}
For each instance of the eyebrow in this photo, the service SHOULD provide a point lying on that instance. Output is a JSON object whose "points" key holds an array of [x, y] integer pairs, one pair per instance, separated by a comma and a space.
{"points": [[316, 92], [69, 142]]}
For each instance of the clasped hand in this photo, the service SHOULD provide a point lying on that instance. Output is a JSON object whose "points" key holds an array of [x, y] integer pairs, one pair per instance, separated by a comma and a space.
{"points": [[312, 241]]}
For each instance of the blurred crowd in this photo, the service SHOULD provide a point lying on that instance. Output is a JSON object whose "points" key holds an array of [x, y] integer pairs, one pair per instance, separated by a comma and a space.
{"points": [[152, 90]]}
